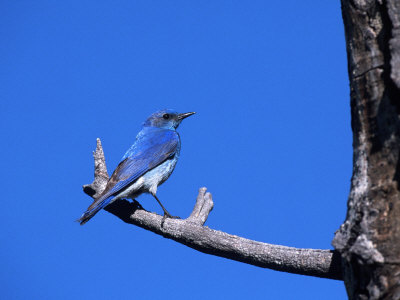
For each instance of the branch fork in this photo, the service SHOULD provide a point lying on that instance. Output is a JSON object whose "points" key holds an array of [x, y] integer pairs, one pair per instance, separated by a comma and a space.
{"points": [[192, 233], [204, 203]]}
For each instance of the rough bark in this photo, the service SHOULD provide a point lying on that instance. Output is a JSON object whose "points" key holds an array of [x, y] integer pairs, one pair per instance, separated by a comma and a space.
{"points": [[369, 239], [192, 233]]}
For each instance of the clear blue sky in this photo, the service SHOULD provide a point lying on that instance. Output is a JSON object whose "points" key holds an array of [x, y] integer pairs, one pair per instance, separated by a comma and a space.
{"points": [[271, 140]]}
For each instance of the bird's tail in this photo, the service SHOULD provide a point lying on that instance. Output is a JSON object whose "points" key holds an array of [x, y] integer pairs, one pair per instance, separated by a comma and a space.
{"points": [[93, 209]]}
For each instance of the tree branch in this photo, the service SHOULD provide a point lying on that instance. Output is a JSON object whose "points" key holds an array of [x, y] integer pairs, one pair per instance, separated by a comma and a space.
{"points": [[192, 233]]}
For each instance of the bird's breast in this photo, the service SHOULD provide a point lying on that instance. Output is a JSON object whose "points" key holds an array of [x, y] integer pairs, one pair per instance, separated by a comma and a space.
{"points": [[156, 176]]}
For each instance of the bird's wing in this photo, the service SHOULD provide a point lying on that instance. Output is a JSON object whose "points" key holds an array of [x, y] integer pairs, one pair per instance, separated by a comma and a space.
{"points": [[157, 149]]}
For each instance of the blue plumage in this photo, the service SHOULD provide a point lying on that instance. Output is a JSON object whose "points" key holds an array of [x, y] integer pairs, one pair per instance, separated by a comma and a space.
{"points": [[146, 164]]}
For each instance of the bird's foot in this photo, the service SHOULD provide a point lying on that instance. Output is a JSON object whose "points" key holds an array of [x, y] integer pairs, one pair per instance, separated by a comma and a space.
{"points": [[167, 215]]}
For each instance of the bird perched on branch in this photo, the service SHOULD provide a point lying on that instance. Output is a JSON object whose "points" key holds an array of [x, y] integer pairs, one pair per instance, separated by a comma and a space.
{"points": [[146, 164]]}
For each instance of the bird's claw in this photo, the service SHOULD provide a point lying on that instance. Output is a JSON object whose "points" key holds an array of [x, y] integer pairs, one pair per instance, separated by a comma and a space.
{"points": [[167, 215]]}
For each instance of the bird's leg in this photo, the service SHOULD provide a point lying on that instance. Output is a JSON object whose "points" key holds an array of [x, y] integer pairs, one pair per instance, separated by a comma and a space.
{"points": [[166, 213]]}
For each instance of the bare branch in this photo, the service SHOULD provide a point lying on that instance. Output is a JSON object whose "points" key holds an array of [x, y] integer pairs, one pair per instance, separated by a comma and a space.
{"points": [[100, 173], [203, 207], [192, 233]]}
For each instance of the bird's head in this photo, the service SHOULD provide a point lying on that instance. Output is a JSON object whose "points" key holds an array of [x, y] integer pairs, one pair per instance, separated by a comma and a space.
{"points": [[167, 118]]}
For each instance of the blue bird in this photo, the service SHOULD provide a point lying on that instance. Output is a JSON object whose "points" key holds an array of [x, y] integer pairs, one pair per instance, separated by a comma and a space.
{"points": [[147, 163]]}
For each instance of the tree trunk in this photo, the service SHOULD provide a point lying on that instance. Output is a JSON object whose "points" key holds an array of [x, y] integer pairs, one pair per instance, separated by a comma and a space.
{"points": [[369, 239], [368, 243]]}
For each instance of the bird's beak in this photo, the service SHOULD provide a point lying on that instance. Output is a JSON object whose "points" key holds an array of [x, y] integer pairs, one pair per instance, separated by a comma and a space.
{"points": [[185, 115]]}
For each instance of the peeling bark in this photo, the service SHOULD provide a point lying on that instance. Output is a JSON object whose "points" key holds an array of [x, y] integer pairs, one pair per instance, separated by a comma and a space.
{"points": [[369, 239]]}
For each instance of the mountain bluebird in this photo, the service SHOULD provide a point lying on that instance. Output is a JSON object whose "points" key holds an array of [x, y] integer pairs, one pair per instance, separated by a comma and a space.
{"points": [[147, 163]]}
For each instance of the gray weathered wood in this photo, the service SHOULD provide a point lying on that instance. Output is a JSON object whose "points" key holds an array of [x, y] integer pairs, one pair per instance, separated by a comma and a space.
{"points": [[192, 233], [369, 239]]}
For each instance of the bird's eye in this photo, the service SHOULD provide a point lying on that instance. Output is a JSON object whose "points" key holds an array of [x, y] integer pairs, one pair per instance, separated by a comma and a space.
{"points": [[166, 116]]}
